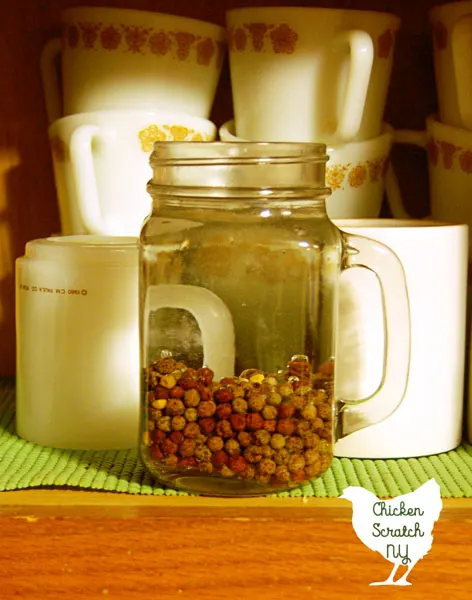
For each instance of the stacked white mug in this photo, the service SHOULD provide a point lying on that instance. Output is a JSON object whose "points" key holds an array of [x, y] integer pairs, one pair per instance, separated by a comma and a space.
{"points": [[129, 78], [322, 75], [447, 137], [317, 75]]}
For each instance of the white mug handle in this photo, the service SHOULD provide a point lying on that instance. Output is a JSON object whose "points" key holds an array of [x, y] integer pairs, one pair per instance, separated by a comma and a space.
{"points": [[213, 318], [392, 189], [461, 44], [358, 79], [83, 172], [50, 79]]}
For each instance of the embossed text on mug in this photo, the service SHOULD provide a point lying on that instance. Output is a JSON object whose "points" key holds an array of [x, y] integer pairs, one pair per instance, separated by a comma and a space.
{"points": [[48, 290]]}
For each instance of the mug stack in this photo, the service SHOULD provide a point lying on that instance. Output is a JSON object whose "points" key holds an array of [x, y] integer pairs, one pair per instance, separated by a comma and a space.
{"points": [[126, 79], [447, 137], [317, 75]]}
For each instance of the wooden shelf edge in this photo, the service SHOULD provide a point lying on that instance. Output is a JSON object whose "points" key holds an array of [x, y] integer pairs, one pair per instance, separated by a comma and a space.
{"points": [[120, 505]]}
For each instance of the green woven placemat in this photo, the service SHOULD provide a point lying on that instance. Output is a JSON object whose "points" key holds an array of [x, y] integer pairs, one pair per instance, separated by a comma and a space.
{"points": [[26, 465]]}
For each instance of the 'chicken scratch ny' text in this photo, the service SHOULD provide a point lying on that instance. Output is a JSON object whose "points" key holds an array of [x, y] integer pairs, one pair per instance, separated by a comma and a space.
{"points": [[395, 551], [382, 509], [397, 528]]}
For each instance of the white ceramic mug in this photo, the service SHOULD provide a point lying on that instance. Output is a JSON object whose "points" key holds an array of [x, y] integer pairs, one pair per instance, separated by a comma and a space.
{"points": [[128, 59], [450, 172], [309, 74], [354, 172], [429, 419], [77, 329], [101, 166], [452, 36]]}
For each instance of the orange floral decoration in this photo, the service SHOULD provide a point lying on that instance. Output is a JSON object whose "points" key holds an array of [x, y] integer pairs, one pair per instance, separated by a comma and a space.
{"points": [[184, 41], [376, 167], [239, 39], [357, 176], [149, 135], [205, 51], [160, 43], [448, 150], [110, 38], [89, 33], [284, 39], [335, 176], [169, 133], [178, 132], [257, 32], [465, 161], [135, 37]]}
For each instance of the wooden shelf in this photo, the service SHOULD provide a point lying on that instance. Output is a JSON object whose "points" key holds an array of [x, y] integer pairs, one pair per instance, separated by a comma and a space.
{"points": [[81, 544]]}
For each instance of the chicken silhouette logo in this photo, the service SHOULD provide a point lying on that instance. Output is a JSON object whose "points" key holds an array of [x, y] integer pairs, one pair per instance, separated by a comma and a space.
{"points": [[399, 529]]}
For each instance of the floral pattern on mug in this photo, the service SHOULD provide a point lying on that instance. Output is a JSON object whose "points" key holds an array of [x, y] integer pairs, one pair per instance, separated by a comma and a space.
{"points": [[89, 33], [357, 175], [376, 168], [135, 37], [282, 38], [440, 35], [179, 45], [465, 161], [160, 43], [205, 51], [257, 32], [184, 41], [169, 133], [371, 170], [58, 149], [237, 39], [448, 150], [110, 38], [385, 43], [335, 176]]}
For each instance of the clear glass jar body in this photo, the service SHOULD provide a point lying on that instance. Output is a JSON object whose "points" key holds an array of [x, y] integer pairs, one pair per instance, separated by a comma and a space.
{"points": [[238, 299]]}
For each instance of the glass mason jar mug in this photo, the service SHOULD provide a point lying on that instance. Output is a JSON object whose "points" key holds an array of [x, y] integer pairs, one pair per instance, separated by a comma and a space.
{"points": [[239, 278]]}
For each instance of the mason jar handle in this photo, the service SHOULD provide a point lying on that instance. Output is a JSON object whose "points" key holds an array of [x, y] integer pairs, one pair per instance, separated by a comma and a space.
{"points": [[83, 172], [357, 85], [461, 44], [392, 188], [50, 79], [372, 255], [212, 316]]}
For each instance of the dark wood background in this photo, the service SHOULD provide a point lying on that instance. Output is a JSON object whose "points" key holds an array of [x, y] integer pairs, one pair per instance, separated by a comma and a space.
{"points": [[28, 207]]}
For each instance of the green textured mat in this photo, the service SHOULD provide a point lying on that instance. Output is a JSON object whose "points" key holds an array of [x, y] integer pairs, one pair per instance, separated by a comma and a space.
{"points": [[27, 465]]}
